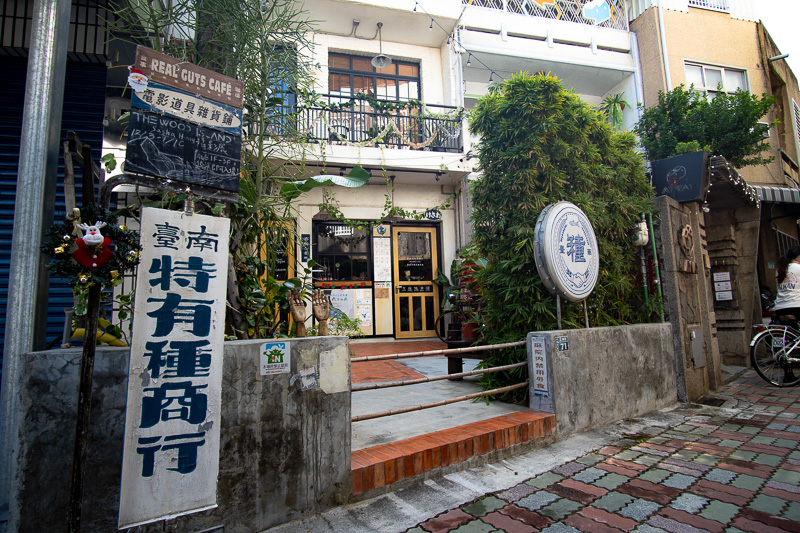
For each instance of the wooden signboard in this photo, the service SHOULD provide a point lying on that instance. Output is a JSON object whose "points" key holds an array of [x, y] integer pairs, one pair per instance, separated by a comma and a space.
{"points": [[170, 148], [171, 71], [180, 104]]}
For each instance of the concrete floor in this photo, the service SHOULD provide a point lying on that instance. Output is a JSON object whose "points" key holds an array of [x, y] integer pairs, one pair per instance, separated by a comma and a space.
{"points": [[396, 427]]}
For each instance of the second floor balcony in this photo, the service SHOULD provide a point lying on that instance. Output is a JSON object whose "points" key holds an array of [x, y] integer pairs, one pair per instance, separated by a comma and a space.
{"points": [[373, 123], [604, 13]]}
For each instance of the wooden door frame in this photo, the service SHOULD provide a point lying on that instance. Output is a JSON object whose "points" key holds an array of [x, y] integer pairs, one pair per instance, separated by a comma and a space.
{"points": [[437, 233]]}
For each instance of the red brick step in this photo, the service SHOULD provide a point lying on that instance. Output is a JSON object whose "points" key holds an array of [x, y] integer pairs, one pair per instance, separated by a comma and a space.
{"points": [[383, 465]]}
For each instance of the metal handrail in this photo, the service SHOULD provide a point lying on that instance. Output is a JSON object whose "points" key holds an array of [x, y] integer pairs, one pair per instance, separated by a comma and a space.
{"points": [[400, 128], [438, 353], [458, 375], [402, 410], [713, 5]]}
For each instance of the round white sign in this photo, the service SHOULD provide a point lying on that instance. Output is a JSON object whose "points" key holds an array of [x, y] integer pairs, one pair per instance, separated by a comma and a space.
{"points": [[566, 252]]}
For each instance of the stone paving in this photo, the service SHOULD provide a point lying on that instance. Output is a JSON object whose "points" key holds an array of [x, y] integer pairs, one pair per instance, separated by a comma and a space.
{"points": [[725, 469]]}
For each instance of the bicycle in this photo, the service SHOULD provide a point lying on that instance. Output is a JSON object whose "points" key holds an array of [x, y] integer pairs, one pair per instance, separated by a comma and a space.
{"points": [[454, 325], [772, 354]]}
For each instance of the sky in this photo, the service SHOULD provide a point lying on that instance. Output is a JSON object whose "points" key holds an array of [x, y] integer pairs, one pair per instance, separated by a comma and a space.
{"points": [[782, 20]]}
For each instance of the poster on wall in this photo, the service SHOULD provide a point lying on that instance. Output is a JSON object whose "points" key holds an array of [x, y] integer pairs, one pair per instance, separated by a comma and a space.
{"points": [[364, 306], [171, 449], [344, 300], [364, 314]]}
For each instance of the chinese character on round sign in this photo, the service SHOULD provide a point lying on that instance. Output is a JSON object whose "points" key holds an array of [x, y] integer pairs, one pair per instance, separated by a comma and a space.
{"points": [[566, 252]]}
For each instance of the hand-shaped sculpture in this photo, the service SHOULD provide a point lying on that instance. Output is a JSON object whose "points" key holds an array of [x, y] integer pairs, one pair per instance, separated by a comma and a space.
{"points": [[298, 309], [322, 310]]}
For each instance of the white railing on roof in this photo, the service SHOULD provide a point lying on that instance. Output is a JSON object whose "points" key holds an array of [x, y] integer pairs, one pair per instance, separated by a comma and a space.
{"points": [[714, 5], [604, 13]]}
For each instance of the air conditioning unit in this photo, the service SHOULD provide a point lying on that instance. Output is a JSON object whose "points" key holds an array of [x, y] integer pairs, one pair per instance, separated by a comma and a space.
{"points": [[766, 132]]}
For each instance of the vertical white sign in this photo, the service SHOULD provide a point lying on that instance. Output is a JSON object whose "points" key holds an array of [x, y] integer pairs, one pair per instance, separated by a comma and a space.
{"points": [[382, 254], [171, 457], [539, 372]]}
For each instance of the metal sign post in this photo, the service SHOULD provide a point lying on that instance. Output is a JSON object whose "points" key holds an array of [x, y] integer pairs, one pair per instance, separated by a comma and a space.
{"points": [[84, 410]]}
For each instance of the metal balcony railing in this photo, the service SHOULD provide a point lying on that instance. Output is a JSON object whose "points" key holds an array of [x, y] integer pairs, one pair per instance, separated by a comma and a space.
{"points": [[714, 5], [436, 128], [605, 13]]}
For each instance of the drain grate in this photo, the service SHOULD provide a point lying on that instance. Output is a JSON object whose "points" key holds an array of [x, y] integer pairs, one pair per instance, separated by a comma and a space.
{"points": [[711, 401]]}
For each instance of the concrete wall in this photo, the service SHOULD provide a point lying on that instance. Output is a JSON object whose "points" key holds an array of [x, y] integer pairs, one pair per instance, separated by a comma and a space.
{"points": [[606, 374], [686, 284], [733, 247], [285, 452]]}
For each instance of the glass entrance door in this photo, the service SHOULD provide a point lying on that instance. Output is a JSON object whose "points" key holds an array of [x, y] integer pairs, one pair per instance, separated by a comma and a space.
{"points": [[416, 297]]}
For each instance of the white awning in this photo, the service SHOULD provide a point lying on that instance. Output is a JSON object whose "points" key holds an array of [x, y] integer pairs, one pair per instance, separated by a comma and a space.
{"points": [[777, 194]]}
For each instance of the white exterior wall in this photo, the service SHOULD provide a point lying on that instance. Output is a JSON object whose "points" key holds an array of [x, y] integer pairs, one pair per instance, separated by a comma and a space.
{"points": [[430, 61], [744, 9], [366, 203], [630, 115]]}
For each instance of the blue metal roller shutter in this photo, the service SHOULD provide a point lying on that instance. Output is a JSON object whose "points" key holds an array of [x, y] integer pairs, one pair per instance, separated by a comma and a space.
{"points": [[84, 105]]}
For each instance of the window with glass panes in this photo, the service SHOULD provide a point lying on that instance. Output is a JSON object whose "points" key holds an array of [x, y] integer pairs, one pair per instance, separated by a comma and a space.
{"points": [[709, 77], [341, 252], [350, 75]]}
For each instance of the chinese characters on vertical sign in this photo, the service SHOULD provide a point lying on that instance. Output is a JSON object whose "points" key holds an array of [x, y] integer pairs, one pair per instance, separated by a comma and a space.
{"points": [[171, 456], [539, 371]]}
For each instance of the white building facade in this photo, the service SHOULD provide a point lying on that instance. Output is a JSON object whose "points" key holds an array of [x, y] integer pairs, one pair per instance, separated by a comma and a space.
{"points": [[445, 53]]}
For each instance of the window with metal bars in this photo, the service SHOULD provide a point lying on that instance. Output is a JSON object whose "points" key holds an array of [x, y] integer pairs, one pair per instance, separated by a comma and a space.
{"points": [[783, 241], [796, 112], [89, 22]]}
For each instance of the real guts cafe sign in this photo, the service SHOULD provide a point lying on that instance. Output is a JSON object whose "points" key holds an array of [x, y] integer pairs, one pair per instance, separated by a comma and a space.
{"points": [[566, 251], [185, 122]]}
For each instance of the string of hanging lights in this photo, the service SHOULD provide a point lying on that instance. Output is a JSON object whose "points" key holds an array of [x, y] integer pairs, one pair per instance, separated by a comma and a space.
{"points": [[470, 55]]}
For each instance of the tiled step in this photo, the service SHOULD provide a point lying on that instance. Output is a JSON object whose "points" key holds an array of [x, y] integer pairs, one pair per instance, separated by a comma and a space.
{"points": [[383, 465]]}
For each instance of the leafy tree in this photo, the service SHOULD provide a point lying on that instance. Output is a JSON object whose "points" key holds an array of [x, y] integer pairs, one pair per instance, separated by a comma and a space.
{"points": [[540, 144], [262, 44], [726, 125]]}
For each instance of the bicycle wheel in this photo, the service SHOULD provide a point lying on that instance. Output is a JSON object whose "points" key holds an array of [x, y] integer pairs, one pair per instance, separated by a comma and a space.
{"points": [[448, 326], [769, 357]]}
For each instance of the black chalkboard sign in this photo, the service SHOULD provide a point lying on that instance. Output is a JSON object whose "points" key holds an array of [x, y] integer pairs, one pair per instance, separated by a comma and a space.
{"points": [[171, 148]]}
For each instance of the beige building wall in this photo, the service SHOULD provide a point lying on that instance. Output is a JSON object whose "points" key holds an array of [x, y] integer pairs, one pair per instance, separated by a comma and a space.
{"points": [[647, 32], [712, 38], [784, 87]]}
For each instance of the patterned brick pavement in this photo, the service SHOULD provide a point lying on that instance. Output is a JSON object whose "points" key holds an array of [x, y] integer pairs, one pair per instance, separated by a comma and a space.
{"points": [[728, 469]]}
